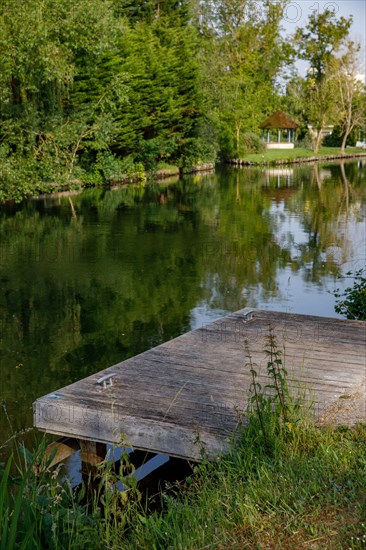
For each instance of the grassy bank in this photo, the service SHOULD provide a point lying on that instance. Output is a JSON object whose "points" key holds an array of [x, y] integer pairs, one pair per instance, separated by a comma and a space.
{"points": [[307, 491], [273, 156], [285, 484]]}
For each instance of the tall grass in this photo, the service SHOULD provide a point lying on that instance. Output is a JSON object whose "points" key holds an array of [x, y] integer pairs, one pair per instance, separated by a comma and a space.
{"points": [[285, 484], [39, 510]]}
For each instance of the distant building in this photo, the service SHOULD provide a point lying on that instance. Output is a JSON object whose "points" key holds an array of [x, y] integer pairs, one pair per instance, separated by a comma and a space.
{"points": [[279, 125]]}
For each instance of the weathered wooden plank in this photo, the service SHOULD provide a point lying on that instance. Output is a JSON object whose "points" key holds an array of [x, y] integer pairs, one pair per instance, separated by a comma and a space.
{"points": [[238, 361], [176, 369], [202, 413], [195, 384], [188, 394], [171, 390], [287, 327], [175, 393], [137, 432]]}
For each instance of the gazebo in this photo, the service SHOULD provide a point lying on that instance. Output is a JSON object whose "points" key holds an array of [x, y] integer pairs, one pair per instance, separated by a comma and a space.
{"points": [[279, 121]]}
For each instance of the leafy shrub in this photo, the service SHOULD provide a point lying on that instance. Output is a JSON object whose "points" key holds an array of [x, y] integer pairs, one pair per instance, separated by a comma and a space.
{"points": [[21, 178], [352, 302], [249, 143], [252, 143], [193, 151], [155, 150]]}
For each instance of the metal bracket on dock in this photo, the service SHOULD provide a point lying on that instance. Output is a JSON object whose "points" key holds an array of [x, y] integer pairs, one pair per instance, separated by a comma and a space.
{"points": [[107, 380], [248, 316], [55, 395]]}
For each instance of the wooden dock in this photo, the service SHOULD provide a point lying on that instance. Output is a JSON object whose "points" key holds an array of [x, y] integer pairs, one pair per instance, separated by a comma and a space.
{"points": [[188, 392]]}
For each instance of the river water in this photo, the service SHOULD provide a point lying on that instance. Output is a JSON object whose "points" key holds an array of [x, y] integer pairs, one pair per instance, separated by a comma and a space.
{"points": [[91, 279]]}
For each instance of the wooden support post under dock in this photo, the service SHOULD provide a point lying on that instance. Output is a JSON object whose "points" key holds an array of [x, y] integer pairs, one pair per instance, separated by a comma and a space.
{"points": [[187, 393], [92, 452]]}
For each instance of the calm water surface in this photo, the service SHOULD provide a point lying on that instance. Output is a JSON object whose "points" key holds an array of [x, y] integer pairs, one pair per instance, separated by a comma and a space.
{"points": [[90, 280]]}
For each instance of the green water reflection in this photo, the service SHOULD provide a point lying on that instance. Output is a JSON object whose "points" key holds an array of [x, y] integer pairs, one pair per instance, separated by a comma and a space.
{"points": [[89, 280]]}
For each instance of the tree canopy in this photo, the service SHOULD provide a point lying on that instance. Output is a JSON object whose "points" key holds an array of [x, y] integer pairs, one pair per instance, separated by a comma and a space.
{"points": [[320, 40], [92, 88]]}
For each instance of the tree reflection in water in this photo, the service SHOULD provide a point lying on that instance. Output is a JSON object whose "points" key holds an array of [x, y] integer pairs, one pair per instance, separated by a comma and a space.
{"points": [[92, 279]]}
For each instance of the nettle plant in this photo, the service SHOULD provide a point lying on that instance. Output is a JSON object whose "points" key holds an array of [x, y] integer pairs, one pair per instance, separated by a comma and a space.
{"points": [[352, 301]]}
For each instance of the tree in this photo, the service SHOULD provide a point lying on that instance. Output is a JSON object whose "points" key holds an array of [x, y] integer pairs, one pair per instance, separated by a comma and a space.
{"points": [[320, 40], [81, 80], [318, 43], [351, 97], [244, 57], [39, 41], [137, 11], [42, 46], [159, 56], [321, 106]]}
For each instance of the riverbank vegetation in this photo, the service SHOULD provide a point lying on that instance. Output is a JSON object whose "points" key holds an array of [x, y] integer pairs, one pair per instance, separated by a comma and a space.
{"points": [[94, 89], [286, 483], [352, 301]]}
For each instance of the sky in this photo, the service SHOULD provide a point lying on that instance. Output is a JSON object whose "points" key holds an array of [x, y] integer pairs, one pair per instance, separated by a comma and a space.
{"points": [[298, 11]]}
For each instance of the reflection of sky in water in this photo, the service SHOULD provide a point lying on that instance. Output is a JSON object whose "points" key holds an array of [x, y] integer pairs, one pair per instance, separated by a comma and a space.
{"points": [[290, 232], [295, 294]]}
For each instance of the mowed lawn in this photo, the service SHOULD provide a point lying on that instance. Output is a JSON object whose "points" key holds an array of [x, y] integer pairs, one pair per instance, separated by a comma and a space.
{"points": [[274, 155]]}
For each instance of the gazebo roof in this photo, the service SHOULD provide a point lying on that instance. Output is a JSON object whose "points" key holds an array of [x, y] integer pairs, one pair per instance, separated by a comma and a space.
{"points": [[279, 120]]}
